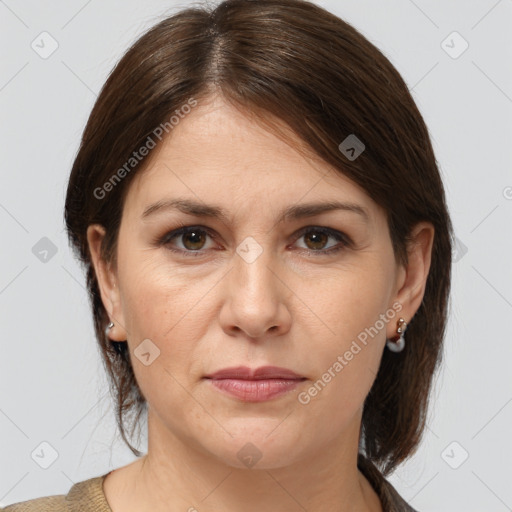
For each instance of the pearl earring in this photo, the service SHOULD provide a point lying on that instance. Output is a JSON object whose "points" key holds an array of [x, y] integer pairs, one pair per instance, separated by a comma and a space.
{"points": [[107, 329]]}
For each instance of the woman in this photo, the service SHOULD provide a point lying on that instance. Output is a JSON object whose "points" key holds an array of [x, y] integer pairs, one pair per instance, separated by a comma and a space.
{"points": [[258, 207]]}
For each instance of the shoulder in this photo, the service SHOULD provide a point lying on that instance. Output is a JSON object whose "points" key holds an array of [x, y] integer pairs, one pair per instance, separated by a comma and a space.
{"points": [[85, 496], [54, 503], [390, 499]]}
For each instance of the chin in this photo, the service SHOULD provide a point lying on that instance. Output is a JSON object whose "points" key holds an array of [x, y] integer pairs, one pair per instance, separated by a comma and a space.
{"points": [[258, 444]]}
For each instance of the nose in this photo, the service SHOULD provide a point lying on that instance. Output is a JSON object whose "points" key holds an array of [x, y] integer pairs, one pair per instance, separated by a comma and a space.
{"points": [[256, 300]]}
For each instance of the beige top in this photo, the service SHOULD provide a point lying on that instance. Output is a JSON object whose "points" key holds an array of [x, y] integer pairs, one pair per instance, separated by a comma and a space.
{"points": [[88, 496]]}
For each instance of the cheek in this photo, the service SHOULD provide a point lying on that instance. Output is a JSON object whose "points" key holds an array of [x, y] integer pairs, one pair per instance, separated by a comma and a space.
{"points": [[173, 308], [162, 309], [344, 304], [347, 357], [159, 299]]}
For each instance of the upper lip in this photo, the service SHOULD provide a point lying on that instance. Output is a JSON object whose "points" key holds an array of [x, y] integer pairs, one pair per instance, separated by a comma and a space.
{"points": [[246, 373]]}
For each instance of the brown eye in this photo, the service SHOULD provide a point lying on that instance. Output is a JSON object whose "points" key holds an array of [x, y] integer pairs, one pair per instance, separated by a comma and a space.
{"points": [[189, 240], [193, 240], [315, 240]]}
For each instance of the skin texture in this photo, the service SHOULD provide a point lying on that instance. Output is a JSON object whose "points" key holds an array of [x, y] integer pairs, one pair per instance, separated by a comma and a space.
{"points": [[290, 307]]}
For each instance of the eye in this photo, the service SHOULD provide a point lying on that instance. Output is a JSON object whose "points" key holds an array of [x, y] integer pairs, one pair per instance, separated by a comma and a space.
{"points": [[193, 240], [189, 240], [316, 240]]}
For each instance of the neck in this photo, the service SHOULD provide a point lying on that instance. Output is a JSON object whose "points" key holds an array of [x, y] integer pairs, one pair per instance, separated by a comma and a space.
{"points": [[176, 475]]}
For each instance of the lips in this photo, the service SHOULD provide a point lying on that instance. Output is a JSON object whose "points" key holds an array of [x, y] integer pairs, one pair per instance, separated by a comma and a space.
{"points": [[255, 385], [262, 373]]}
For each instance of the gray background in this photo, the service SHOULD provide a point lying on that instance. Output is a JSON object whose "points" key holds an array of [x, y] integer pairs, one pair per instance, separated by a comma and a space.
{"points": [[53, 387]]}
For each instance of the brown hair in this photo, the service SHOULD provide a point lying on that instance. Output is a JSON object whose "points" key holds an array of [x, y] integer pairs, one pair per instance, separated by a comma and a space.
{"points": [[296, 61]]}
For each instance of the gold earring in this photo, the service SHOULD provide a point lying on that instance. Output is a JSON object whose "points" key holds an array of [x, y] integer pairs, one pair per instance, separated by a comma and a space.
{"points": [[397, 343]]}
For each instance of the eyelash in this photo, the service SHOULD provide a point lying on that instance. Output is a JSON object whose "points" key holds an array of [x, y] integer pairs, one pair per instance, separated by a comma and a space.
{"points": [[339, 236]]}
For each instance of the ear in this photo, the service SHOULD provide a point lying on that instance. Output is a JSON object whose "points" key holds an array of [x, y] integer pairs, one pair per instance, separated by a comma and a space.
{"points": [[107, 282], [412, 278]]}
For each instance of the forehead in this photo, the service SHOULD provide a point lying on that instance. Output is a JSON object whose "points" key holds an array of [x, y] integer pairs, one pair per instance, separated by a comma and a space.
{"points": [[218, 152]]}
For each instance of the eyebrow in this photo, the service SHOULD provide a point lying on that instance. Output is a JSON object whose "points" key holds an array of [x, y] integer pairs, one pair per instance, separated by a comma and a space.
{"points": [[294, 212]]}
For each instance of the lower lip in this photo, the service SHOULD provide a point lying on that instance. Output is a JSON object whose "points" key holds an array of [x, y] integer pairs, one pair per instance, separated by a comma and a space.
{"points": [[255, 390]]}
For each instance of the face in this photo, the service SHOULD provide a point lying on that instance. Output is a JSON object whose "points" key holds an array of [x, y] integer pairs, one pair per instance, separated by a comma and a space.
{"points": [[267, 282]]}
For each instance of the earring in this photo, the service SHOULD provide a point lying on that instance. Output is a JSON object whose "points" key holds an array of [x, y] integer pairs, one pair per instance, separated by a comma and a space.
{"points": [[107, 329], [397, 343]]}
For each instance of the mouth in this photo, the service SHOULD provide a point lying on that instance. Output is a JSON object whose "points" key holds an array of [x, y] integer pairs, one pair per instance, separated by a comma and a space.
{"points": [[255, 385]]}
